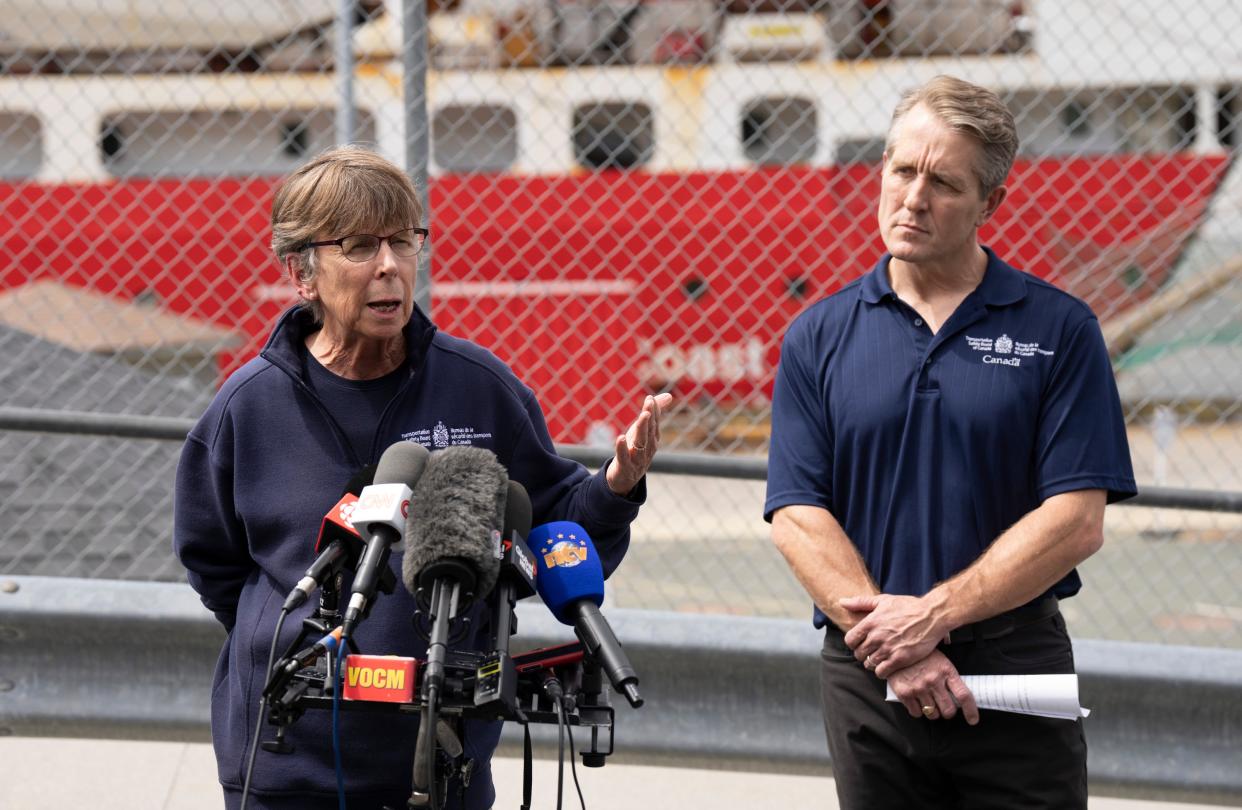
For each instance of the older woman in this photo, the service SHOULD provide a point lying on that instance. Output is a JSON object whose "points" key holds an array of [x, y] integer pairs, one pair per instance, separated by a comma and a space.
{"points": [[353, 369]]}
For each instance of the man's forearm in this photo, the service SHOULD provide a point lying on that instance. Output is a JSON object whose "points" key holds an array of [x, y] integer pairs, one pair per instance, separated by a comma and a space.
{"points": [[823, 559], [1028, 559], [1021, 564]]}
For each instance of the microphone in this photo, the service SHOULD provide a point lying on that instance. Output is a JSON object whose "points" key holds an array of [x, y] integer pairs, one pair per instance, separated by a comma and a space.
{"points": [[337, 523], [495, 686], [289, 667], [327, 644], [380, 516], [338, 544], [571, 583], [456, 533], [517, 565], [453, 551], [516, 579]]}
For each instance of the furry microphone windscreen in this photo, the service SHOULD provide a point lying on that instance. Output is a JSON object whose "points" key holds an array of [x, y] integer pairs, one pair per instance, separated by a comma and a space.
{"points": [[458, 504]]}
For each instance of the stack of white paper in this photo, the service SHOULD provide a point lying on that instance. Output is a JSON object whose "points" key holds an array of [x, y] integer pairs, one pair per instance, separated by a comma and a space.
{"points": [[1040, 695]]}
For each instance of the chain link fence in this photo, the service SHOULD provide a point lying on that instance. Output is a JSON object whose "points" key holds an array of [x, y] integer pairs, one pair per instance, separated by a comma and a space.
{"points": [[626, 197]]}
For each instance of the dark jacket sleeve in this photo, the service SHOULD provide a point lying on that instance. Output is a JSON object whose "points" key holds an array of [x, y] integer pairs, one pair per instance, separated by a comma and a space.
{"points": [[561, 489], [208, 537]]}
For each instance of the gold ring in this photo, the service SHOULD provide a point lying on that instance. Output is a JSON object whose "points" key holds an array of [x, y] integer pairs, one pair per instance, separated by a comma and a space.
{"points": [[929, 711]]}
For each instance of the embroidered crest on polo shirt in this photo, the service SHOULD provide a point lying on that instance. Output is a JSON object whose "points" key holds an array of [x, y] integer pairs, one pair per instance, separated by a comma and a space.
{"points": [[1012, 350], [442, 435]]}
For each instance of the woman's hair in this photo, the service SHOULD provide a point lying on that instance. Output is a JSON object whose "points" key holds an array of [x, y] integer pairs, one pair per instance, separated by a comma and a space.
{"points": [[343, 191], [973, 110]]}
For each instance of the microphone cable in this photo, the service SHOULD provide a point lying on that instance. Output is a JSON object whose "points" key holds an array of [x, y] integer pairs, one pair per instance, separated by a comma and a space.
{"points": [[433, 717], [560, 752], [258, 727], [552, 687], [337, 686], [573, 765]]}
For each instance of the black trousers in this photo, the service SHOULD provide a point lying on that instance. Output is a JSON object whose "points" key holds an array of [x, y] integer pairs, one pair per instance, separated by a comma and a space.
{"points": [[883, 758]]}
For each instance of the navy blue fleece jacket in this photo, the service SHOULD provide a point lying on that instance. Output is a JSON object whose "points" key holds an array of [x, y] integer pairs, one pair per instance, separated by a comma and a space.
{"points": [[257, 474]]}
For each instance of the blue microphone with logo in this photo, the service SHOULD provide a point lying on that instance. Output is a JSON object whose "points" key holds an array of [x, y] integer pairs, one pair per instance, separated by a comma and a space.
{"points": [[571, 583]]}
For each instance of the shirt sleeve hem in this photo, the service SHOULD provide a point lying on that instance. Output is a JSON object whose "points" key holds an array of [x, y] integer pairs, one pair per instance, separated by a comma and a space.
{"points": [[1119, 489], [775, 502]]}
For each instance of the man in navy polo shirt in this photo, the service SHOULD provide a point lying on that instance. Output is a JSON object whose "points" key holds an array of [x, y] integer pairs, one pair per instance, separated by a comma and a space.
{"points": [[946, 432]]}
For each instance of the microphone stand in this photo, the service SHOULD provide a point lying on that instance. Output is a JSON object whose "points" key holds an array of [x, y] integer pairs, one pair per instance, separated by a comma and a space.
{"points": [[503, 620], [495, 686], [281, 698], [445, 595], [595, 711]]}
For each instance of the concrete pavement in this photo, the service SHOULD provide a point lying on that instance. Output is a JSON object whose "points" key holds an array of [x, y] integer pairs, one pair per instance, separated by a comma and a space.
{"points": [[38, 773]]}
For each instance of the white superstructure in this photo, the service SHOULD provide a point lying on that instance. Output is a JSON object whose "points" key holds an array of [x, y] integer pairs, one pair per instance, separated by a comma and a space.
{"points": [[1077, 89]]}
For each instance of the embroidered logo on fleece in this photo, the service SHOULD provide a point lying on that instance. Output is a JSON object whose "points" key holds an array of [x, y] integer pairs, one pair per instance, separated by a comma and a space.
{"points": [[442, 435]]}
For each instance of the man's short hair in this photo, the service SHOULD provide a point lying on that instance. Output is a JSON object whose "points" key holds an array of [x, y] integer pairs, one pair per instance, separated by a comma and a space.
{"points": [[973, 110], [345, 190]]}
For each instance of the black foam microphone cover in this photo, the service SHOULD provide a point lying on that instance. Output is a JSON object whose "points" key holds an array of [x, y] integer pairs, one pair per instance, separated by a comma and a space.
{"points": [[518, 511], [518, 566], [454, 531], [360, 480]]}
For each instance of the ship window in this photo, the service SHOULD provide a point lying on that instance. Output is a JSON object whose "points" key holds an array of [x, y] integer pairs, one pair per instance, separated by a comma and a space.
{"points": [[613, 135], [860, 150], [1075, 119], [474, 138], [209, 143], [1228, 110], [111, 141], [1158, 119], [21, 146], [1138, 120], [779, 131], [1186, 126], [294, 138]]}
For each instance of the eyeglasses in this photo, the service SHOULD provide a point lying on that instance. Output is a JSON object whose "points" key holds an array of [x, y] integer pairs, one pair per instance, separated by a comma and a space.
{"points": [[362, 247]]}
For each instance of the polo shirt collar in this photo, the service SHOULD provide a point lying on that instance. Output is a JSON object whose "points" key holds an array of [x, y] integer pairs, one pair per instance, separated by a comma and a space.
{"points": [[875, 287], [1001, 283]]}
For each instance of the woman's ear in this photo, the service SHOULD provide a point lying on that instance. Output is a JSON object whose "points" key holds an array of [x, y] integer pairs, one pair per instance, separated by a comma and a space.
{"points": [[293, 267]]}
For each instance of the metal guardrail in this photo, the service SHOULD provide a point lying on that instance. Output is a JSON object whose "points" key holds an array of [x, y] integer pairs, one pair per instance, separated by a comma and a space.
{"points": [[85, 423], [750, 469], [105, 659]]}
